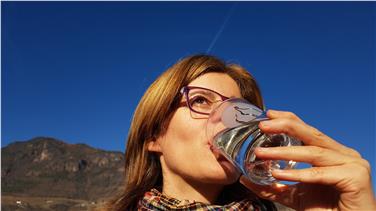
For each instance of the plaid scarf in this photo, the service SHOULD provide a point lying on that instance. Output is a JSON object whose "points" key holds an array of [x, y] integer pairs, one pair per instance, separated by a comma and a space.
{"points": [[154, 200]]}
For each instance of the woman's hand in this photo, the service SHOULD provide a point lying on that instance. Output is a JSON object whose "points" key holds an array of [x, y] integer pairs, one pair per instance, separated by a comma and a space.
{"points": [[339, 179]]}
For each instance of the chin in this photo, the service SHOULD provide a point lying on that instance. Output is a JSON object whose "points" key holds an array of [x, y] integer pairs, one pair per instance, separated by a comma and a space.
{"points": [[223, 173], [222, 179]]}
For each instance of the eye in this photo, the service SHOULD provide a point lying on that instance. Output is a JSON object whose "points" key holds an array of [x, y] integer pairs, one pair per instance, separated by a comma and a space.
{"points": [[199, 100]]}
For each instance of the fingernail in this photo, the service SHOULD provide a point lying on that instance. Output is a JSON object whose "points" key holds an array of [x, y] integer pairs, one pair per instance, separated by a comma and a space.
{"points": [[280, 172], [265, 123], [280, 187], [271, 112], [261, 149], [242, 180]]}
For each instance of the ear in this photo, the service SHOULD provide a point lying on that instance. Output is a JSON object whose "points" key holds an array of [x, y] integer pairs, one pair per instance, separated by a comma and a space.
{"points": [[154, 146]]}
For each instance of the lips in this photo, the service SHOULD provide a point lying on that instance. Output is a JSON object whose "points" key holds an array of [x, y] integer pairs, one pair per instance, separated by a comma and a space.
{"points": [[217, 154]]}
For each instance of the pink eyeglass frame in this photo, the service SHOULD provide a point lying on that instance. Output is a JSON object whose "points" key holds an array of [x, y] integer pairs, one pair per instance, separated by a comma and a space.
{"points": [[185, 90]]}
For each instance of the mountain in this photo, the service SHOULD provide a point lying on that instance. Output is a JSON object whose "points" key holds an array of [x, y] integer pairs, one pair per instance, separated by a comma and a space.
{"points": [[48, 168]]}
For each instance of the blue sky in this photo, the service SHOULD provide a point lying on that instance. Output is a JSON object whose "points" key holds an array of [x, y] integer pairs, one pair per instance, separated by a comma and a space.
{"points": [[76, 70]]}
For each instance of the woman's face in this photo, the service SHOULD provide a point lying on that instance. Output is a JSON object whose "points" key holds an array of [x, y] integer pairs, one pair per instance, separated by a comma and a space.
{"points": [[185, 148]]}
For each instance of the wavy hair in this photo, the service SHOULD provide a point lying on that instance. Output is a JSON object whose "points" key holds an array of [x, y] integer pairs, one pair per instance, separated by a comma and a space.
{"points": [[151, 119]]}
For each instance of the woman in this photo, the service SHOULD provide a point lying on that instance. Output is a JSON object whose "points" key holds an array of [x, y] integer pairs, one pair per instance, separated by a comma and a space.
{"points": [[169, 163]]}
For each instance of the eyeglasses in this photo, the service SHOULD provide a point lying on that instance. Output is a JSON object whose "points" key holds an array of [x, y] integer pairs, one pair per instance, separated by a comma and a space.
{"points": [[201, 100]]}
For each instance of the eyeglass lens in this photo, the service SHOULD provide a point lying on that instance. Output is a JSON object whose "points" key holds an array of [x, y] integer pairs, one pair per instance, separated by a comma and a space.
{"points": [[204, 101]]}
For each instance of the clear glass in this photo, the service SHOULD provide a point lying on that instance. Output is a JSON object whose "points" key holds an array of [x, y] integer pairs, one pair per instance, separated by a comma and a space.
{"points": [[233, 129]]}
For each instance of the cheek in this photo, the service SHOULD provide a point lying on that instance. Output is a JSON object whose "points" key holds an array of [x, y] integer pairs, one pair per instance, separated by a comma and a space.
{"points": [[185, 133], [185, 139], [186, 151]]}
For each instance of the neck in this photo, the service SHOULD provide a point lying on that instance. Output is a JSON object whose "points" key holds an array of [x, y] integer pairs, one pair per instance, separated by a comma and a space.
{"points": [[179, 188]]}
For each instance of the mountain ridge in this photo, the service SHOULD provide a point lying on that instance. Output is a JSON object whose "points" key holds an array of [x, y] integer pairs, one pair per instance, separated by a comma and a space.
{"points": [[49, 167], [58, 140]]}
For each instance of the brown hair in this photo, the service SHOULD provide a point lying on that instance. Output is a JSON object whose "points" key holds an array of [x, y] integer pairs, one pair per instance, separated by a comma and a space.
{"points": [[151, 119]]}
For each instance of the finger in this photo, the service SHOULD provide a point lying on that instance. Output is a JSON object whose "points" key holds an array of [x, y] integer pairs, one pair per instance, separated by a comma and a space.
{"points": [[307, 134], [344, 149], [314, 155], [273, 114], [332, 175]]}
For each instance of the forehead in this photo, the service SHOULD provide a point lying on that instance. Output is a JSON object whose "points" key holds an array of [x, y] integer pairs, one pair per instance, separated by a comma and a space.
{"points": [[219, 82]]}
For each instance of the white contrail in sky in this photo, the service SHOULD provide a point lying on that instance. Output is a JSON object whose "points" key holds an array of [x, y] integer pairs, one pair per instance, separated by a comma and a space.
{"points": [[221, 29]]}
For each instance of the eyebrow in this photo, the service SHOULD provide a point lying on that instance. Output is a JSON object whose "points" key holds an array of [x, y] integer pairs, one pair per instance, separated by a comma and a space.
{"points": [[204, 91]]}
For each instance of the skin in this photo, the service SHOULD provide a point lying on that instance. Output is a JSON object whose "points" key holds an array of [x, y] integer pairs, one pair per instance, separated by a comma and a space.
{"points": [[190, 168], [339, 179]]}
